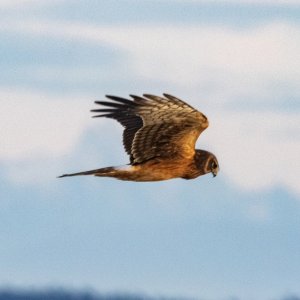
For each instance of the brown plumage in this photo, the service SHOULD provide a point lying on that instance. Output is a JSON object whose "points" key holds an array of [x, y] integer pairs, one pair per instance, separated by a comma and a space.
{"points": [[159, 136]]}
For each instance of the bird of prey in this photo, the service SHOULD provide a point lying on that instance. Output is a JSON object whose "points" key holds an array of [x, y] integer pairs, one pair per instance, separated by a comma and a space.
{"points": [[159, 136]]}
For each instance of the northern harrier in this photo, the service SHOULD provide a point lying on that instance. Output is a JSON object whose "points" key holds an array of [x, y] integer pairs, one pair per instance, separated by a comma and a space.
{"points": [[159, 136]]}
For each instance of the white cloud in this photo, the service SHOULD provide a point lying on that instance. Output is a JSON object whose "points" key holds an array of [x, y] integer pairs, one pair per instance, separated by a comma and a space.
{"points": [[189, 55], [39, 133], [35, 124], [256, 150], [17, 4], [22, 3], [14, 3], [256, 2]]}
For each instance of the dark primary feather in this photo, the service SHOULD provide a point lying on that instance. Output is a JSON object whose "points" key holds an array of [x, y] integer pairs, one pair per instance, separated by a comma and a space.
{"points": [[155, 126], [124, 113]]}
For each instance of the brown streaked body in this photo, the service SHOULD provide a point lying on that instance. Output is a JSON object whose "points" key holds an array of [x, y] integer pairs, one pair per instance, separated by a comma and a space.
{"points": [[159, 136]]}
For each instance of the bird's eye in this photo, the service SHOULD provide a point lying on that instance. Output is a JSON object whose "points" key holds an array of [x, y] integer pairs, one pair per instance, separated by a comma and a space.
{"points": [[214, 165]]}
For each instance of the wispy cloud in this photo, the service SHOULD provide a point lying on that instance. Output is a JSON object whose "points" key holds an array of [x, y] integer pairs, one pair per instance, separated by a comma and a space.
{"points": [[14, 3], [20, 3], [241, 2], [188, 55], [34, 124], [17, 4], [257, 150]]}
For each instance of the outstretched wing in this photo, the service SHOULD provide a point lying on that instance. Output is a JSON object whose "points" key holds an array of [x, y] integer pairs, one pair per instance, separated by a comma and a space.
{"points": [[155, 126]]}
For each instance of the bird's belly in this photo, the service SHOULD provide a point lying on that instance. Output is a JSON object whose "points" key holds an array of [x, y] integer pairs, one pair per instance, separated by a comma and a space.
{"points": [[153, 171]]}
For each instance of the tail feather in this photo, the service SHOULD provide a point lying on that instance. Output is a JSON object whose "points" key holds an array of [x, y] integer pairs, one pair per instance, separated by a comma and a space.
{"points": [[96, 172]]}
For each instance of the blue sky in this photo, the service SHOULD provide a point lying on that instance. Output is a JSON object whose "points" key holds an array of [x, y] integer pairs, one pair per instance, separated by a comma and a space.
{"points": [[236, 235]]}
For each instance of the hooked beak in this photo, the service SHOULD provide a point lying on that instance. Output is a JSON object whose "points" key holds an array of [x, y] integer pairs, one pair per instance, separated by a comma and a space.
{"points": [[214, 172]]}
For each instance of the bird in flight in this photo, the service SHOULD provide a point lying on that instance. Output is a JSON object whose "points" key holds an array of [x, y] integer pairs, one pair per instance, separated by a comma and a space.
{"points": [[159, 136]]}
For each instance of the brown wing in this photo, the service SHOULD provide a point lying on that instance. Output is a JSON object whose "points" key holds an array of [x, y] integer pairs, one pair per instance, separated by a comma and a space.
{"points": [[155, 126]]}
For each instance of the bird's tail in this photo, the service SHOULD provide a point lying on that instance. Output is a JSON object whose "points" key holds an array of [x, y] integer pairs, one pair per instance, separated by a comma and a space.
{"points": [[109, 171]]}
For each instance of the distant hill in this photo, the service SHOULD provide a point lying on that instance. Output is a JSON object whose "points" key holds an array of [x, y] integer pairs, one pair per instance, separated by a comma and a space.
{"points": [[60, 294]]}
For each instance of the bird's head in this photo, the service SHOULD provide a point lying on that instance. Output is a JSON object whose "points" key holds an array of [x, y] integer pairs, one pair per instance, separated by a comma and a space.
{"points": [[213, 166], [207, 162]]}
